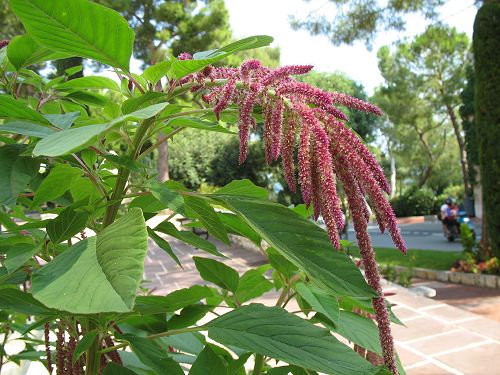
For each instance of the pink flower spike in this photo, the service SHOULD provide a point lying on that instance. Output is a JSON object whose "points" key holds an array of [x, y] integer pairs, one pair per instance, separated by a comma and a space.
{"points": [[349, 101], [225, 98], [276, 124], [268, 141], [248, 66], [4, 43], [287, 149], [283, 72], [305, 164]]}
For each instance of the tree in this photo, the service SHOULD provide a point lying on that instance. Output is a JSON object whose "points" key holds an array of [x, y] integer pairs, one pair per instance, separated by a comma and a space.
{"points": [[363, 19], [424, 79], [487, 115]]}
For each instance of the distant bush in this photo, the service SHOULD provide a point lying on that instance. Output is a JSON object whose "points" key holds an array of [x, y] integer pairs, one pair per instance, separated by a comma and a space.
{"points": [[415, 203]]}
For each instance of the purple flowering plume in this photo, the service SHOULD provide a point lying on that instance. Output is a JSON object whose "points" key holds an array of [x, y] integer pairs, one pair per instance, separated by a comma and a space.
{"points": [[328, 152]]}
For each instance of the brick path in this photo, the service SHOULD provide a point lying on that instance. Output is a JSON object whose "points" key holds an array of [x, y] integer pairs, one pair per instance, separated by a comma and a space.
{"points": [[438, 338]]}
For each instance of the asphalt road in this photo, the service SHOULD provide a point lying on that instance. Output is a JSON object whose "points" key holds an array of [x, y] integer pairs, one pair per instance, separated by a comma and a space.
{"points": [[426, 236]]}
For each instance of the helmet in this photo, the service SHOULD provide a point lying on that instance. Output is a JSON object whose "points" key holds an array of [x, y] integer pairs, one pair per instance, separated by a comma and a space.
{"points": [[448, 201]]}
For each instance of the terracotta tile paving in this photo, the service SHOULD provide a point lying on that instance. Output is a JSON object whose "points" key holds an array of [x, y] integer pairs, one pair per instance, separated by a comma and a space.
{"points": [[437, 339]]}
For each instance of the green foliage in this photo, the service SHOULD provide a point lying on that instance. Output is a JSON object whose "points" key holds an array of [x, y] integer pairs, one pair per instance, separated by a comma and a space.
{"points": [[415, 203], [487, 71], [78, 149]]}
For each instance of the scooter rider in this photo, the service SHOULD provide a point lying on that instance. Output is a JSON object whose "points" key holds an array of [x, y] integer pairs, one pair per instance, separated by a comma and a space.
{"points": [[449, 213]]}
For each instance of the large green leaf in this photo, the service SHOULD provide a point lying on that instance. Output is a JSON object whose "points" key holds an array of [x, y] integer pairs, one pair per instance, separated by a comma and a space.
{"points": [[153, 356], [100, 274], [79, 28], [17, 255], [207, 216], [253, 284], [67, 224], [320, 301], [274, 332], [15, 109], [90, 82], [68, 141], [243, 188], [155, 72], [16, 171], [301, 242], [173, 301], [114, 369], [21, 302], [217, 273], [24, 51], [187, 237], [197, 123], [26, 128], [63, 120], [181, 68], [208, 363], [56, 183]]}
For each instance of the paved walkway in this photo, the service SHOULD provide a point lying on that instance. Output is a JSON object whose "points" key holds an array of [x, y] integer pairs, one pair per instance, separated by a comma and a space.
{"points": [[438, 338]]}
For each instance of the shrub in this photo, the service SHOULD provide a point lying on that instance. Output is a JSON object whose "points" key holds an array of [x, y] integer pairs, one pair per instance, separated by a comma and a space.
{"points": [[414, 203]]}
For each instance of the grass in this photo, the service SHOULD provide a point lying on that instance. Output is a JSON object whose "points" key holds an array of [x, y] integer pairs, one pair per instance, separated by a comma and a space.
{"points": [[437, 260]]}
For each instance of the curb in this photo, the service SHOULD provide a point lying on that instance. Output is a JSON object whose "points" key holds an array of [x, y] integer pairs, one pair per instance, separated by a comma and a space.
{"points": [[472, 279]]}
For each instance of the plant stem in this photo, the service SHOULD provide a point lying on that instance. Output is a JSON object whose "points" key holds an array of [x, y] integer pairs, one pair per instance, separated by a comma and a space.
{"points": [[123, 174], [156, 336], [93, 356], [259, 362], [160, 141]]}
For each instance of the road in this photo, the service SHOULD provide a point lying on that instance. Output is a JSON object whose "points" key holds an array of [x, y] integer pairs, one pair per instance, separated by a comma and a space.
{"points": [[426, 236]]}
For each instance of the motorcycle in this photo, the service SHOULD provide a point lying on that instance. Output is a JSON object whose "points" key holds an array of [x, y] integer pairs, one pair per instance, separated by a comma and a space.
{"points": [[452, 230]]}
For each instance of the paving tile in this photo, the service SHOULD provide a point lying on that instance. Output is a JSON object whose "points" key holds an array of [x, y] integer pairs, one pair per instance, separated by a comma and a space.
{"points": [[450, 341], [407, 357], [484, 327], [403, 313], [419, 328], [481, 360], [449, 313], [427, 369]]}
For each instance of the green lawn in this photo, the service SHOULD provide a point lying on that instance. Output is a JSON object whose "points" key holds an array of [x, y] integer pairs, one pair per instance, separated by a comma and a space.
{"points": [[438, 260]]}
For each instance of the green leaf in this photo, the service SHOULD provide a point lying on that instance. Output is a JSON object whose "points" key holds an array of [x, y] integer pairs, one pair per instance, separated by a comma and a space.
{"points": [[253, 284], [68, 141], [17, 255], [15, 109], [103, 271], [79, 28], [188, 237], [21, 302], [207, 216], [16, 172], [66, 225], [280, 263], [91, 83], [188, 316], [153, 356], [84, 343], [208, 363], [140, 114], [56, 183], [24, 51], [168, 197], [303, 243], [319, 300], [181, 68], [63, 120], [197, 123], [114, 369], [173, 301], [155, 72], [26, 128], [243, 188], [164, 245], [237, 226], [217, 273], [273, 332]]}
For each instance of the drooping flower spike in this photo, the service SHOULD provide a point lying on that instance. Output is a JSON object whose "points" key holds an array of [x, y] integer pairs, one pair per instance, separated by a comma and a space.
{"points": [[328, 151]]}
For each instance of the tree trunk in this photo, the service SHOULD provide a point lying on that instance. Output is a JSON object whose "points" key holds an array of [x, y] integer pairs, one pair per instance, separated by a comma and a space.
{"points": [[461, 147], [162, 163], [393, 176]]}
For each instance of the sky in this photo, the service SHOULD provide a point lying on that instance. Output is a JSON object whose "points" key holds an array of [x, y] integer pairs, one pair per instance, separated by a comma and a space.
{"points": [[270, 17]]}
